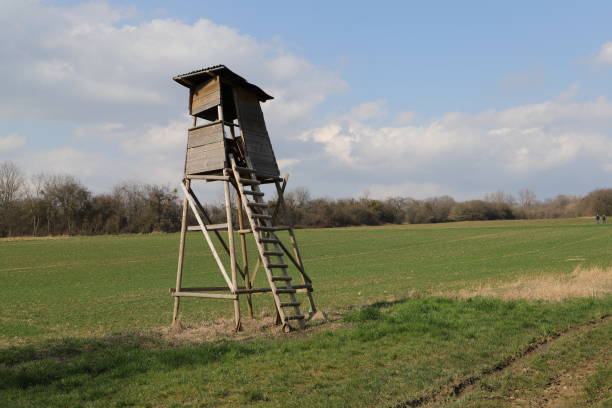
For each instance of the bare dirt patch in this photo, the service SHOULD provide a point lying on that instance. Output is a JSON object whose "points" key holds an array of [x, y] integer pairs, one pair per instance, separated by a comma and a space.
{"points": [[565, 389], [223, 329], [581, 282]]}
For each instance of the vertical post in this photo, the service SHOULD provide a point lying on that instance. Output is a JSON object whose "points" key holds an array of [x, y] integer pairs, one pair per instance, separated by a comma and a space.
{"points": [[179, 271], [230, 228], [232, 249], [245, 259]]}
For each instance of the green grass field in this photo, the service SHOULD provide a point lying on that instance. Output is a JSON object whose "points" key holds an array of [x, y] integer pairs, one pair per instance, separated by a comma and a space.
{"points": [[80, 316]]}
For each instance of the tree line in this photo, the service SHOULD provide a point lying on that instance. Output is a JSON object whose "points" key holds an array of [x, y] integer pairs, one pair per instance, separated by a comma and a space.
{"points": [[61, 205]]}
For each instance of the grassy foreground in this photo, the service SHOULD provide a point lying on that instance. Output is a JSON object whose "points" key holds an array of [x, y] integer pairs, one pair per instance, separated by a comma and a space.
{"points": [[384, 357], [79, 316]]}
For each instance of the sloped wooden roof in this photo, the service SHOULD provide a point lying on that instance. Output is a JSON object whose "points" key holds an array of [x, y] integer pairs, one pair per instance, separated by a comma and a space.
{"points": [[192, 78]]}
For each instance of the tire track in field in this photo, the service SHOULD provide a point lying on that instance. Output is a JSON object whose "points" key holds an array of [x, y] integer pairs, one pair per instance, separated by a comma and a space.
{"points": [[461, 387]]}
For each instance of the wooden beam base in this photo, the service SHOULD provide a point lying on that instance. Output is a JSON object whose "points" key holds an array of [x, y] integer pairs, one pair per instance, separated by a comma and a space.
{"points": [[205, 295]]}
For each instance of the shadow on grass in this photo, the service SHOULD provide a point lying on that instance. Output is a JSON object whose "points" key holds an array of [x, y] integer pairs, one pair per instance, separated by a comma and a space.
{"points": [[111, 357]]}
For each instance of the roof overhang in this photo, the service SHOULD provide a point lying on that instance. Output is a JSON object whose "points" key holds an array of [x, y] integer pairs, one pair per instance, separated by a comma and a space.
{"points": [[194, 78]]}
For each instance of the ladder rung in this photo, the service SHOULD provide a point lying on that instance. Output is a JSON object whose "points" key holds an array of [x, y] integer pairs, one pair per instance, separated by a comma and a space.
{"points": [[268, 240], [278, 228], [281, 278], [249, 182], [245, 169], [261, 205], [294, 317], [262, 216], [277, 266], [272, 253], [281, 291], [254, 193], [289, 304]]}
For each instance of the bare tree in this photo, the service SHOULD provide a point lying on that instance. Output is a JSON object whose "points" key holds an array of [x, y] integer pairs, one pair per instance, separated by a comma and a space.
{"points": [[68, 202], [12, 183], [499, 197], [11, 189], [527, 198]]}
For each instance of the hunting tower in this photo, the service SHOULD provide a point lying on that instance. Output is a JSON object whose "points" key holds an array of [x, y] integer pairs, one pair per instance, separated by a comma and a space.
{"points": [[232, 146]]}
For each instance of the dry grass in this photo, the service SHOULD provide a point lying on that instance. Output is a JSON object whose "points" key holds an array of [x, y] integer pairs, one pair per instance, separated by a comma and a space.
{"points": [[591, 282], [262, 327]]}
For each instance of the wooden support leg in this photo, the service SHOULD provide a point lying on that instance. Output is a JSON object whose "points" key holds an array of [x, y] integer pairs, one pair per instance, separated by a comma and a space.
{"points": [[232, 249], [245, 259], [179, 271]]}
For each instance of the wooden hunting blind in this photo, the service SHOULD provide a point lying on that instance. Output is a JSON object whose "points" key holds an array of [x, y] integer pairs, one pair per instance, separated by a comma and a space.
{"points": [[218, 95], [232, 146]]}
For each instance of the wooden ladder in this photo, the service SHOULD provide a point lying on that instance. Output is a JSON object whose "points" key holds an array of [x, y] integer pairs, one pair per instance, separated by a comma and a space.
{"points": [[269, 247]]}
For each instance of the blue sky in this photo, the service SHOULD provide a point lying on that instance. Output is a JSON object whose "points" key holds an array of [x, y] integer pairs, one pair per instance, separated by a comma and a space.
{"points": [[394, 98]]}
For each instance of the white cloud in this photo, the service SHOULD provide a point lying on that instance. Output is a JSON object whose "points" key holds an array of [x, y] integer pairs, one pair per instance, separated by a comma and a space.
{"points": [[519, 140], [284, 164], [66, 160], [417, 190], [111, 80], [11, 142], [107, 131], [83, 61], [405, 117], [158, 139], [99, 171], [367, 110], [605, 54]]}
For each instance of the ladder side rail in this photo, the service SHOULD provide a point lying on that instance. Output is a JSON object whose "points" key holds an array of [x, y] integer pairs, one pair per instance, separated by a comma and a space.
{"points": [[288, 285], [208, 240], [281, 199], [305, 278], [256, 233], [268, 223], [293, 297]]}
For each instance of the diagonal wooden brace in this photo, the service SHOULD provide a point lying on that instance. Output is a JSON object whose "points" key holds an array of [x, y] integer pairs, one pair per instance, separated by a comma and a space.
{"points": [[191, 200]]}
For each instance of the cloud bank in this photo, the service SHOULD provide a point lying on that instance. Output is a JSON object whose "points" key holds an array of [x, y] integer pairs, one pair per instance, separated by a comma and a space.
{"points": [[112, 81], [108, 83], [519, 143]]}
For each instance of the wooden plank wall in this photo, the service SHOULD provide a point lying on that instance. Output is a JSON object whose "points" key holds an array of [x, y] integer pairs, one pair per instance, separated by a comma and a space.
{"points": [[255, 134], [205, 149], [206, 96]]}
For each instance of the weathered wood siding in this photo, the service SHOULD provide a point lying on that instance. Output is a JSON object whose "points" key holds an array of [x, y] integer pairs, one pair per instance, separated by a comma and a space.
{"points": [[205, 149], [205, 96], [255, 134]]}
